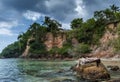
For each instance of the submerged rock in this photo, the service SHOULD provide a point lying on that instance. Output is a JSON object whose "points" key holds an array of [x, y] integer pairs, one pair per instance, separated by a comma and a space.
{"points": [[113, 68], [65, 80], [91, 71], [114, 80]]}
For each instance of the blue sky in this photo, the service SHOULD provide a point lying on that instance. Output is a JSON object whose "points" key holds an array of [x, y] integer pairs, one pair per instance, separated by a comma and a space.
{"points": [[17, 15]]}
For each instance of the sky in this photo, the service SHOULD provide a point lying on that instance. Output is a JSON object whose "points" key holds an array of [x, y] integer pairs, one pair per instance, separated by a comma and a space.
{"points": [[17, 15]]}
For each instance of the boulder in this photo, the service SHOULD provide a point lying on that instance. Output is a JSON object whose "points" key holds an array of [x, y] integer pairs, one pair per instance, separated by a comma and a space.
{"points": [[113, 68], [91, 71]]}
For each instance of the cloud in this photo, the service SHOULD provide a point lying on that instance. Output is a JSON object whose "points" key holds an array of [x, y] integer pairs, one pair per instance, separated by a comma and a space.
{"points": [[81, 11], [6, 28], [60, 9], [66, 26], [54, 8], [4, 31], [32, 15], [11, 24], [14, 12]]}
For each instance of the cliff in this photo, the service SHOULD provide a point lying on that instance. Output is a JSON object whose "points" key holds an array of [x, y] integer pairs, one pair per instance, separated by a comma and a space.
{"points": [[54, 41], [106, 47], [50, 42]]}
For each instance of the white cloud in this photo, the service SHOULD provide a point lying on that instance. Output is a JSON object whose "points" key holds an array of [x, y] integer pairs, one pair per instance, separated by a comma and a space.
{"points": [[8, 24], [5, 28], [65, 25], [53, 3], [32, 15], [4, 31], [80, 8]]}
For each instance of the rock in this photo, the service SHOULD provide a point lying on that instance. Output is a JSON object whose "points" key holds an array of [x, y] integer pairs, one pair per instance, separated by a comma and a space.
{"points": [[114, 80], [113, 68], [91, 71], [68, 80], [63, 80]]}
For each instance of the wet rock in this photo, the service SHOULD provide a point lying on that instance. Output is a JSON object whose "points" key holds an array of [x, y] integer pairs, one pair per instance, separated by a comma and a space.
{"points": [[93, 72], [114, 80], [61, 71], [64, 80], [68, 80], [113, 68]]}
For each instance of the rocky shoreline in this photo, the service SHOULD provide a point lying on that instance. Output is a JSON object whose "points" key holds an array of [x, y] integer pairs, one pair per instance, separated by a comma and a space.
{"points": [[93, 73]]}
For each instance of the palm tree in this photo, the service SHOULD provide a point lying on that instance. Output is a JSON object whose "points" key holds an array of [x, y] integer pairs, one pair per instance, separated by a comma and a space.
{"points": [[52, 25], [20, 38], [114, 8]]}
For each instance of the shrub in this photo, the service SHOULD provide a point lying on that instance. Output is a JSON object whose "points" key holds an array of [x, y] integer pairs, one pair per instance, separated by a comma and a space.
{"points": [[81, 49], [37, 50]]}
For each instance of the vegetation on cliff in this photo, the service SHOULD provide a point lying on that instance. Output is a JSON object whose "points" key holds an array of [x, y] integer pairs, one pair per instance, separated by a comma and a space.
{"points": [[87, 33]]}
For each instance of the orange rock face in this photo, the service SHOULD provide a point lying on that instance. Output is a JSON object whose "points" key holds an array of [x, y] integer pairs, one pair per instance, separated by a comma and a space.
{"points": [[56, 41]]}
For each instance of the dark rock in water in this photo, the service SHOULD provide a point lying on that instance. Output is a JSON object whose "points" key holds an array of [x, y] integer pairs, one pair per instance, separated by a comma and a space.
{"points": [[61, 71], [64, 80], [113, 68], [114, 80], [91, 71], [68, 80]]}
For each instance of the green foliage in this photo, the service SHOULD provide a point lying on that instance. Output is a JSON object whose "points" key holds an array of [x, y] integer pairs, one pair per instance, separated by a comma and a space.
{"points": [[116, 45], [83, 48], [61, 51], [37, 50], [52, 25], [54, 51], [116, 42], [11, 51], [65, 49], [108, 15], [87, 33], [38, 31], [80, 50], [76, 23]]}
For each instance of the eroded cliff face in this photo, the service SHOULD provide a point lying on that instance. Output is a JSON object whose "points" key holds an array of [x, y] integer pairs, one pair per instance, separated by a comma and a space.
{"points": [[105, 49], [50, 42], [54, 41], [25, 53]]}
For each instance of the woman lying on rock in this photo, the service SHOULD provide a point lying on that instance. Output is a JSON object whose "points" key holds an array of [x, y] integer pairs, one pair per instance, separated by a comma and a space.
{"points": [[84, 60]]}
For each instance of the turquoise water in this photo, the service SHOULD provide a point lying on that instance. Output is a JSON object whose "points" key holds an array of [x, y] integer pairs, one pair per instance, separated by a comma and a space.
{"points": [[26, 70], [21, 70]]}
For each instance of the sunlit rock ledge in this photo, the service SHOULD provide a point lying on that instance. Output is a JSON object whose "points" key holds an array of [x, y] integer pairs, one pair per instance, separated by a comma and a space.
{"points": [[91, 71]]}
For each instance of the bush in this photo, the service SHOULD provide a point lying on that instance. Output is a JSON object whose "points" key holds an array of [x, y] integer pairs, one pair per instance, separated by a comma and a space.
{"points": [[37, 50], [54, 50], [81, 49], [61, 51], [116, 45]]}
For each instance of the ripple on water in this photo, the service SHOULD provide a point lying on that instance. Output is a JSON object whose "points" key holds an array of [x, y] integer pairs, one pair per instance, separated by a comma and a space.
{"points": [[21, 70]]}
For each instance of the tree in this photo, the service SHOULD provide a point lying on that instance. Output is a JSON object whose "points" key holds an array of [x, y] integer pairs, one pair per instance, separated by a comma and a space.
{"points": [[76, 23], [51, 24], [38, 31], [114, 8], [108, 15], [22, 39], [37, 50], [11, 51], [85, 33]]}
